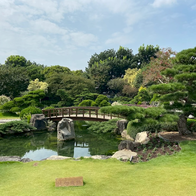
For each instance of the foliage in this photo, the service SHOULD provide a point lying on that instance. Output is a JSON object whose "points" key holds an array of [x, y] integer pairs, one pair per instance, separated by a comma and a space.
{"points": [[55, 69], [109, 65], [4, 99], [8, 115], [117, 85], [15, 127], [152, 73], [29, 111], [181, 91], [66, 100], [13, 80], [141, 119], [121, 99], [142, 96], [145, 54], [186, 57], [102, 100], [85, 96], [48, 108], [36, 85], [73, 85], [16, 61], [87, 103], [19, 103], [103, 127], [115, 103], [130, 76]]}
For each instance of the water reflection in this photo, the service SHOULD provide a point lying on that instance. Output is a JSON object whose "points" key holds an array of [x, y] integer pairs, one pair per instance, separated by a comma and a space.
{"points": [[40, 145]]}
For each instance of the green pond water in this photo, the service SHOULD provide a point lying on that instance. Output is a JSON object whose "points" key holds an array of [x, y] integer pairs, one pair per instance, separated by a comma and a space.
{"points": [[42, 144]]}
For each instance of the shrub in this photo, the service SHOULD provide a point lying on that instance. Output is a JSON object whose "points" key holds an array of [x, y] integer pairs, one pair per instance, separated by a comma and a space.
{"points": [[103, 127], [48, 108], [29, 111], [104, 103], [87, 103], [191, 124], [100, 98], [15, 127], [4, 99]]}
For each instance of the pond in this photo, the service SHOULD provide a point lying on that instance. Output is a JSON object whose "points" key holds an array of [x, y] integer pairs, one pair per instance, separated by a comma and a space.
{"points": [[42, 144]]}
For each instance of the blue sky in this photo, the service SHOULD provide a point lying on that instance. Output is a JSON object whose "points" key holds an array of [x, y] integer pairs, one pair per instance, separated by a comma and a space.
{"points": [[68, 32]]}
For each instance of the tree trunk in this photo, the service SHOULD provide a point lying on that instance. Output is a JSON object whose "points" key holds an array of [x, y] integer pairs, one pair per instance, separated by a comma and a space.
{"points": [[182, 127]]}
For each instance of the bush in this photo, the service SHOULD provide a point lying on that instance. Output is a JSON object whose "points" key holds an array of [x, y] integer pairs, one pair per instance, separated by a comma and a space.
{"points": [[48, 108], [191, 124], [87, 103], [4, 99], [15, 127], [103, 127], [100, 98], [29, 111], [104, 103]]}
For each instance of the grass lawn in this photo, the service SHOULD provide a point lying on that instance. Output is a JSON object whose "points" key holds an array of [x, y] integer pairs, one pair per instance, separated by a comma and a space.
{"points": [[8, 115], [163, 176]]}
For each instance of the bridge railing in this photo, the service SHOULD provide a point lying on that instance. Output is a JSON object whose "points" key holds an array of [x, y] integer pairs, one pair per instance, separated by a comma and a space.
{"points": [[90, 112]]}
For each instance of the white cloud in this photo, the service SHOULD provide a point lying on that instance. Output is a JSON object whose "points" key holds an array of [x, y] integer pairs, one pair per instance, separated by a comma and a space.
{"points": [[119, 39], [82, 39], [160, 3]]}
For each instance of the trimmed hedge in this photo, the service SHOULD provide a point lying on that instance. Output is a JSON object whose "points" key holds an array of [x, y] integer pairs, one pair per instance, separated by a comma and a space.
{"points": [[13, 127], [29, 111]]}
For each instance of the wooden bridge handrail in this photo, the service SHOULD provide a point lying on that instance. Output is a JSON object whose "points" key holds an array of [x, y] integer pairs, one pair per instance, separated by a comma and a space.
{"points": [[89, 112]]}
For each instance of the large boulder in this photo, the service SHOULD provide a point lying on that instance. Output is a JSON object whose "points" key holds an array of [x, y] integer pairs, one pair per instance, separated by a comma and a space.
{"points": [[122, 125], [126, 136], [65, 129], [39, 121], [142, 137], [124, 154]]}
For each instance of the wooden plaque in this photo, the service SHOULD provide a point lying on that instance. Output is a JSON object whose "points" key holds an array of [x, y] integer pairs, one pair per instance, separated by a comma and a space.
{"points": [[74, 181]]}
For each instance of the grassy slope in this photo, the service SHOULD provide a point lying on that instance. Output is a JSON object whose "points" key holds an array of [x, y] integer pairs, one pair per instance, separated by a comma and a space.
{"points": [[163, 176], [8, 115]]}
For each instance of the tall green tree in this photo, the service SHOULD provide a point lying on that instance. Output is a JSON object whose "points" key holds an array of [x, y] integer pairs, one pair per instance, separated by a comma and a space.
{"points": [[16, 61], [13, 80], [186, 57], [179, 94]]}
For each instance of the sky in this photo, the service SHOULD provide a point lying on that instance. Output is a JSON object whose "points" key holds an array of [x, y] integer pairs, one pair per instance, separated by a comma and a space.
{"points": [[69, 32]]}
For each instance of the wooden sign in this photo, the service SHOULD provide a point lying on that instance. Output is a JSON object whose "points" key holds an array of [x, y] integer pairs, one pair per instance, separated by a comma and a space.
{"points": [[74, 181]]}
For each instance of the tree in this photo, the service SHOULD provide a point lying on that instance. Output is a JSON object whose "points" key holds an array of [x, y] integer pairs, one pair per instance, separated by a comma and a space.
{"points": [[13, 80], [55, 69], [130, 76], [109, 65], [36, 85], [66, 100], [186, 57], [16, 61], [145, 54], [117, 85], [179, 94], [152, 72], [4, 99]]}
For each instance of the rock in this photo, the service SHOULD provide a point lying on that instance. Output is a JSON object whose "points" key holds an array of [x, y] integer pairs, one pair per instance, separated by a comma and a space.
{"points": [[124, 154], [65, 129], [25, 160], [121, 124], [56, 157], [126, 136], [126, 144], [39, 121], [9, 158], [142, 137], [100, 157]]}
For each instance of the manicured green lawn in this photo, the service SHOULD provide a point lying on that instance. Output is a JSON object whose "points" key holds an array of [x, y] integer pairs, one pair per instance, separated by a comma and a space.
{"points": [[163, 176], [8, 115]]}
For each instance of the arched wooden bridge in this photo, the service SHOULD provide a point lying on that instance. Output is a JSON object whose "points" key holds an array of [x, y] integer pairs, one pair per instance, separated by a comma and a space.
{"points": [[78, 113]]}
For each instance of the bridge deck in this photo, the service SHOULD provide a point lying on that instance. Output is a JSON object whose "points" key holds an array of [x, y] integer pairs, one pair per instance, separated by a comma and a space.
{"points": [[78, 113]]}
